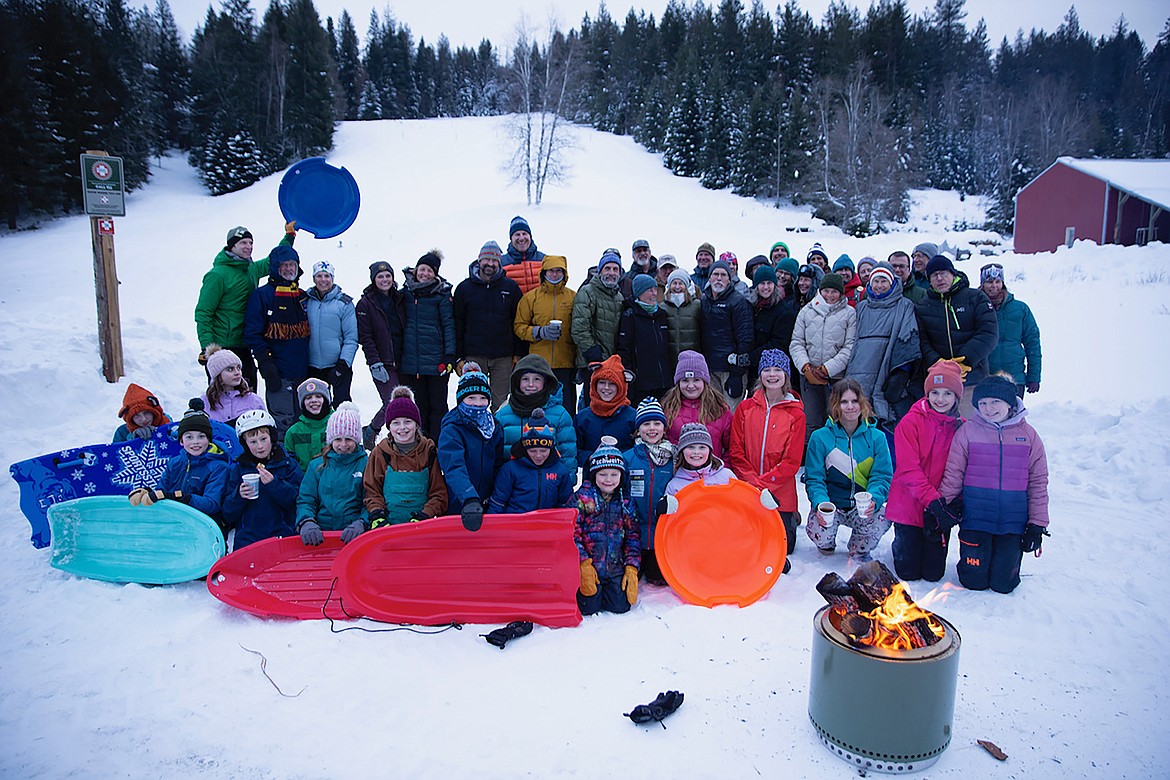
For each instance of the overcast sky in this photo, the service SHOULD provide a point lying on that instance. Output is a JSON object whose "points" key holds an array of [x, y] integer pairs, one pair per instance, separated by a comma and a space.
{"points": [[466, 22]]}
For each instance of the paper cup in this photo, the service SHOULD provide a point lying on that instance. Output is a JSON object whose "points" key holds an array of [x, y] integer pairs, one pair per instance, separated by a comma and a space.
{"points": [[555, 323], [825, 512], [253, 483], [864, 503]]}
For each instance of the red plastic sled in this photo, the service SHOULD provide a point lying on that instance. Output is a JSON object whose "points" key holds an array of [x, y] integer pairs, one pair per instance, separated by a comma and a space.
{"points": [[280, 578], [721, 546], [515, 567]]}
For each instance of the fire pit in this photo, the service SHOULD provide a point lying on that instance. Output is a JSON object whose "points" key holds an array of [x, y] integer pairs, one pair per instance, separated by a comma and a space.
{"points": [[884, 674]]}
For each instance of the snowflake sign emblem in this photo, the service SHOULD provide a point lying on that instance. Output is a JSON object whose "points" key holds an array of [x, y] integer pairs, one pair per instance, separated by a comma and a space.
{"points": [[142, 468]]}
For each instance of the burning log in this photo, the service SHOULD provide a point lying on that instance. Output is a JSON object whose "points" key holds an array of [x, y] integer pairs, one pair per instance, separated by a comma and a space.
{"points": [[876, 610]]}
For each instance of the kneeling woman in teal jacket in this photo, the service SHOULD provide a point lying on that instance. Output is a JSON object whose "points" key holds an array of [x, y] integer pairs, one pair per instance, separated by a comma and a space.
{"points": [[331, 492], [848, 456]]}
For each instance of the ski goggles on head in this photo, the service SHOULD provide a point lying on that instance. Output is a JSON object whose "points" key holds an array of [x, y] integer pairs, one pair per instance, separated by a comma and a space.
{"points": [[991, 271]]}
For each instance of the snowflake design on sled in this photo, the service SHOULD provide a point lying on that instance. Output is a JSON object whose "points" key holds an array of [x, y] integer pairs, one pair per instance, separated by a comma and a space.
{"points": [[140, 468]]}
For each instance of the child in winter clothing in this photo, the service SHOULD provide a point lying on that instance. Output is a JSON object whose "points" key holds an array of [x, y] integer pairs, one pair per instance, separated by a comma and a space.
{"points": [[609, 412], [534, 385], [997, 462], [695, 460], [270, 510], [606, 534], [694, 399], [650, 466], [471, 447], [306, 437], [536, 477], [849, 455], [403, 482], [331, 493], [921, 518], [229, 395], [141, 413], [196, 476], [767, 438]]}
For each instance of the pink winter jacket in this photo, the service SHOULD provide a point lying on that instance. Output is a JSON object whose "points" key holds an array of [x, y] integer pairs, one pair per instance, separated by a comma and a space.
{"points": [[921, 443], [720, 429]]}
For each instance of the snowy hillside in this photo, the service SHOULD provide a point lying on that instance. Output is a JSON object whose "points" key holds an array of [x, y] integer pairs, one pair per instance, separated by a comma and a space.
{"points": [[99, 680]]}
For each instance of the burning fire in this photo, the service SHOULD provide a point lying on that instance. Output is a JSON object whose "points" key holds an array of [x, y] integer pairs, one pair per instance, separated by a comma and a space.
{"points": [[897, 623]]}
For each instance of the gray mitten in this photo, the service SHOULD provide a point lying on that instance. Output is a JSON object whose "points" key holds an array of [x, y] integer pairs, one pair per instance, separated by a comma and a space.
{"points": [[352, 531], [551, 332], [311, 533], [379, 373], [536, 333]]}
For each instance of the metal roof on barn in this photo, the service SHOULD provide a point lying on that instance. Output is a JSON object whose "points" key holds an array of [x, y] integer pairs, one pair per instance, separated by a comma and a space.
{"points": [[1148, 180]]}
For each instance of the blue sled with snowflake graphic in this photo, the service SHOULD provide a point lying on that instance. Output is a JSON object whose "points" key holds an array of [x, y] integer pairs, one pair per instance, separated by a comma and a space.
{"points": [[99, 470]]}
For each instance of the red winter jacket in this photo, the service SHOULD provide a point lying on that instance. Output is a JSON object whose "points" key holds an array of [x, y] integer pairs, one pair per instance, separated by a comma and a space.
{"points": [[921, 443], [854, 291], [767, 443]]}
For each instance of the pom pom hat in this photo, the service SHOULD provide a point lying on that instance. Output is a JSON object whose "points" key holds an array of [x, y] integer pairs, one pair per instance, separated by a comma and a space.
{"points": [[607, 456], [473, 381], [537, 432], [220, 359], [648, 411], [402, 404], [344, 423], [195, 419]]}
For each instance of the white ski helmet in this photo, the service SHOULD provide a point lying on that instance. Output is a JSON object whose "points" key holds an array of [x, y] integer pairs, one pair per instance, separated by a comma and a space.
{"points": [[253, 419]]}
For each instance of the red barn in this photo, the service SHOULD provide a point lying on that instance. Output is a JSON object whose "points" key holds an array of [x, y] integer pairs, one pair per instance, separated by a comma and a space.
{"points": [[1108, 201]]}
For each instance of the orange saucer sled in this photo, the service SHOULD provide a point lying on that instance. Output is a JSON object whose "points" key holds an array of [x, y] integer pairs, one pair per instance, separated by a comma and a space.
{"points": [[721, 545]]}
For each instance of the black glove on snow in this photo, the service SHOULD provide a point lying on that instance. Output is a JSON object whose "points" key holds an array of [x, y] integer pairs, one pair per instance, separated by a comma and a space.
{"points": [[665, 704], [1033, 538], [501, 636], [472, 514]]}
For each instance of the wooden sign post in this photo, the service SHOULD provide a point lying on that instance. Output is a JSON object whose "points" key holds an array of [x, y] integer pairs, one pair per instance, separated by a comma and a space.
{"points": [[104, 199]]}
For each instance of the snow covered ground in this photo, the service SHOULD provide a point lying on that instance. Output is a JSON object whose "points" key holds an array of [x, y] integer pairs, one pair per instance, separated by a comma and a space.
{"points": [[101, 680]]}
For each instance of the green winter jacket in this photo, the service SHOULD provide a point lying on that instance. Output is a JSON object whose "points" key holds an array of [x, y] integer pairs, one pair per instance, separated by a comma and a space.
{"points": [[305, 439], [596, 312], [1019, 342], [684, 322], [219, 312], [331, 491]]}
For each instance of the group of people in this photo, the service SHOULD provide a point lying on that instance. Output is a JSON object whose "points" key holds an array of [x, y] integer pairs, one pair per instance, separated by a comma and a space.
{"points": [[684, 378]]}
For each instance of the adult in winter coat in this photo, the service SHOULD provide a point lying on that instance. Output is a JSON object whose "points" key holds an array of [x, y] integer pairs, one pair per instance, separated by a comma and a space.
{"points": [[428, 342], [276, 329], [727, 333], [887, 350], [485, 313], [643, 263], [645, 344], [998, 463], [333, 335], [683, 310], [544, 320], [767, 438], [902, 266], [854, 287], [597, 308], [1018, 350], [808, 283], [922, 442], [773, 316], [522, 261], [822, 344], [956, 322], [704, 258], [223, 296], [849, 455], [380, 320], [919, 258], [533, 385]]}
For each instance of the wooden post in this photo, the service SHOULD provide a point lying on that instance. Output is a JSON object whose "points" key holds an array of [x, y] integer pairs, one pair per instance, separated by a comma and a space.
{"points": [[105, 279]]}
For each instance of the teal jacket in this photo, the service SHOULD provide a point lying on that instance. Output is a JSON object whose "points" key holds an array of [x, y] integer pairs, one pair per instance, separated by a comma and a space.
{"points": [[837, 465], [331, 491], [1018, 350]]}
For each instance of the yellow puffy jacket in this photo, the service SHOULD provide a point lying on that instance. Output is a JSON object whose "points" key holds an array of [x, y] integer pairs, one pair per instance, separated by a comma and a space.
{"points": [[541, 306]]}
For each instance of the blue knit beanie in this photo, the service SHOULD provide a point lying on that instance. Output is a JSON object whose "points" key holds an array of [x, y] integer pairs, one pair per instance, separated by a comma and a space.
{"points": [[642, 283], [648, 411], [775, 358], [610, 257], [995, 387], [518, 223], [844, 261]]}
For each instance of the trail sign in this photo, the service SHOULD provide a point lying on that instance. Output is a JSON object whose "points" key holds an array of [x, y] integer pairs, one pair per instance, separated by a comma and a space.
{"points": [[102, 182]]}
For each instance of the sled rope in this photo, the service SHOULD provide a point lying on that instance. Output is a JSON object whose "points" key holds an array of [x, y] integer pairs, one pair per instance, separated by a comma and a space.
{"points": [[264, 670], [401, 626]]}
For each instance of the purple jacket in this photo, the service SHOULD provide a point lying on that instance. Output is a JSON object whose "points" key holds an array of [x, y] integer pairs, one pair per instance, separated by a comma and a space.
{"points": [[231, 405], [922, 441], [1002, 472], [714, 473]]}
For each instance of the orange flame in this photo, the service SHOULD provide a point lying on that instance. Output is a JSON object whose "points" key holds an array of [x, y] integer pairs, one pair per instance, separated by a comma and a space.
{"points": [[892, 621]]}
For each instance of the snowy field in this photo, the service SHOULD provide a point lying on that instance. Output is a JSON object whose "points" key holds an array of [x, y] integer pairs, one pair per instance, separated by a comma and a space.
{"points": [[108, 681]]}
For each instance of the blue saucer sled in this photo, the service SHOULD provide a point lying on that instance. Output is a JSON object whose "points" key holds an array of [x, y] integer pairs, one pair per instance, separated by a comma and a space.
{"points": [[320, 198], [107, 538]]}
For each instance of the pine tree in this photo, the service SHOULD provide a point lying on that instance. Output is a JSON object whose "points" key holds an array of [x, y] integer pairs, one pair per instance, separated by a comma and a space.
{"points": [[719, 133], [370, 105], [231, 161], [350, 72], [312, 88], [173, 68], [684, 131]]}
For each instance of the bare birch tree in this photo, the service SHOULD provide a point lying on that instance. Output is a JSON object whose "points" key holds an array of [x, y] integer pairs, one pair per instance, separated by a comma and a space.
{"points": [[539, 133]]}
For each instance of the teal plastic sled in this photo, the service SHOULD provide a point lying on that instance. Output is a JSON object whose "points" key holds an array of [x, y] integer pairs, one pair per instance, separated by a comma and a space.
{"points": [[106, 538]]}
